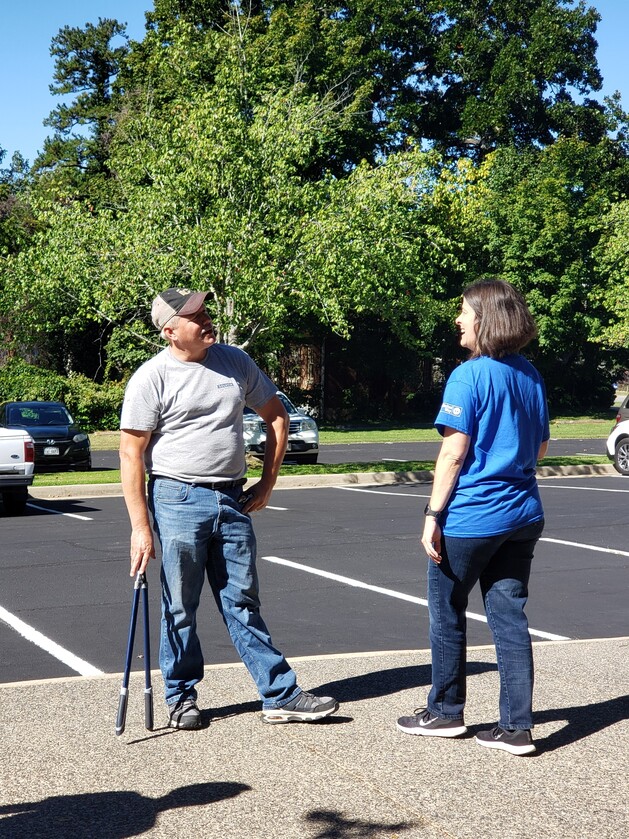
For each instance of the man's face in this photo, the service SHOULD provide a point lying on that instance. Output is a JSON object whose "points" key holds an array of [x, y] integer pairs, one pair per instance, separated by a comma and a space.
{"points": [[192, 331]]}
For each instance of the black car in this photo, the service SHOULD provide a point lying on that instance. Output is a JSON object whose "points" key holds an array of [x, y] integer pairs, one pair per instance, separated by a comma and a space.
{"points": [[59, 442]]}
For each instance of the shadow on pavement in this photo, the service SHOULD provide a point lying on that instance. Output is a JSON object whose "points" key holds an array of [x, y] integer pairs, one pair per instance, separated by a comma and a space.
{"points": [[385, 682], [335, 826], [104, 815], [581, 721]]}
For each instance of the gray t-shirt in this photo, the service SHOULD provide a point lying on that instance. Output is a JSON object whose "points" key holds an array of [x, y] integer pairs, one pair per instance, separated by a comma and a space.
{"points": [[194, 410]]}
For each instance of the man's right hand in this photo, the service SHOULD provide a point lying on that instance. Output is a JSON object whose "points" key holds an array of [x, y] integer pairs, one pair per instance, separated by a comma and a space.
{"points": [[142, 549]]}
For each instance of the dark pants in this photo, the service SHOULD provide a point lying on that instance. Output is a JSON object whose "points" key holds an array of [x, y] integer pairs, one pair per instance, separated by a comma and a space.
{"points": [[502, 564]]}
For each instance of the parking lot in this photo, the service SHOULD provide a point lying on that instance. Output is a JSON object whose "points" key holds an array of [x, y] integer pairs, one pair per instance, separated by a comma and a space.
{"points": [[343, 586], [341, 572]]}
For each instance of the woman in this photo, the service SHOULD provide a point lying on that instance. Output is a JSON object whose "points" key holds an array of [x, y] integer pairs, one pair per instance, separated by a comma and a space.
{"points": [[485, 515]]}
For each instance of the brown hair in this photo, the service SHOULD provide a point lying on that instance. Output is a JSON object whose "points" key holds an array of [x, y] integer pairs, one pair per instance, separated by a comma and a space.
{"points": [[505, 324]]}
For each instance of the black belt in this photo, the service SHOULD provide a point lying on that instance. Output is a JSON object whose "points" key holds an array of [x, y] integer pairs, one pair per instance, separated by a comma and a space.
{"points": [[214, 485]]}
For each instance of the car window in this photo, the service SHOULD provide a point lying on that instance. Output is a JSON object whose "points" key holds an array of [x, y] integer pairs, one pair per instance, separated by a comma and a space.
{"points": [[283, 399], [287, 404], [24, 416], [53, 416], [46, 415]]}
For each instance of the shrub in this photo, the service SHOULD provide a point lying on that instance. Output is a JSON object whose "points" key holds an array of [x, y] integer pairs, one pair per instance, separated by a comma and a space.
{"points": [[94, 407]]}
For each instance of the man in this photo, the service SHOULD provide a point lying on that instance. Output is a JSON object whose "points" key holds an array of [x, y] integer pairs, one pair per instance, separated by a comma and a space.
{"points": [[182, 422]]}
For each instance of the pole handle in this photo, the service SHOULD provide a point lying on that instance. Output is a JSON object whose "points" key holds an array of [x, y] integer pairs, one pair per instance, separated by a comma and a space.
{"points": [[148, 709], [122, 711]]}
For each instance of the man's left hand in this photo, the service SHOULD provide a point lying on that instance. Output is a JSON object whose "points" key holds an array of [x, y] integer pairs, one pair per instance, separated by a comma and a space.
{"points": [[257, 498]]}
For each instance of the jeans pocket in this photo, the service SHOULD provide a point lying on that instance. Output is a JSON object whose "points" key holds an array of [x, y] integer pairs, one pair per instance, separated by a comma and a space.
{"points": [[167, 491]]}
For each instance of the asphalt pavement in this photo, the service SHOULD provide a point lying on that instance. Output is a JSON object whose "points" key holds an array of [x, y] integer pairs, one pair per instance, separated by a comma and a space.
{"points": [[64, 773]]}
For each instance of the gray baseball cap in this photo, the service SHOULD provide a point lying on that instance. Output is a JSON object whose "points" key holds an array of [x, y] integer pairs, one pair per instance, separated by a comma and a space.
{"points": [[176, 301]]}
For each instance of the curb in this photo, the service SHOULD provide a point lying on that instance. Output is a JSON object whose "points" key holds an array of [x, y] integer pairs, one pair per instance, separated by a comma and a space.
{"points": [[313, 481]]}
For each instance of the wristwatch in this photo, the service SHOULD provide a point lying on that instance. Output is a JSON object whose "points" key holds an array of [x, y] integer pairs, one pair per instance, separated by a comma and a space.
{"points": [[434, 513]]}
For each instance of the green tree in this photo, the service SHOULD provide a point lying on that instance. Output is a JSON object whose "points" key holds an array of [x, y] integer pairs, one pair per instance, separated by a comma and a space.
{"points": [[543, 214], [612, 264], [17, 222], [87, 64], [215, 197]]}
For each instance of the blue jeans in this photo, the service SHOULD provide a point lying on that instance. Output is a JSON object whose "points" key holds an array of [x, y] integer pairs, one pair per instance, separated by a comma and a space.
{"points": [[202, 531], [502, 564]]}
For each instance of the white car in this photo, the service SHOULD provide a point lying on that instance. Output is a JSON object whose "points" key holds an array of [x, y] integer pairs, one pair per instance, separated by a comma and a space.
{"points": [[303, 436], [17, 464], [618, 445]]}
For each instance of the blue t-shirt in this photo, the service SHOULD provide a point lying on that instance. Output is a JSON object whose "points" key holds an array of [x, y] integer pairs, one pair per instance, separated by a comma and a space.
{"points": [[501, 405]]}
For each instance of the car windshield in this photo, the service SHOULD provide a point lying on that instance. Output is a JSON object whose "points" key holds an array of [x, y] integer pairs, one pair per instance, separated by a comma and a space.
{"points": [[283, 399], [35, 416]]}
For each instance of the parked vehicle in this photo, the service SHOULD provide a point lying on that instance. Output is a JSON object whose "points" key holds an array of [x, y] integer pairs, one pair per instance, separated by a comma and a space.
{"points": [[59, 442], [17, 463], [303, 436], [623, 410], [618, 445]]}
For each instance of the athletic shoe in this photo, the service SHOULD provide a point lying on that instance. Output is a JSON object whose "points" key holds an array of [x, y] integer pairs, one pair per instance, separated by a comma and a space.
{"points": [[518, 742], [303, 708], [184, 714], [425, 723]]}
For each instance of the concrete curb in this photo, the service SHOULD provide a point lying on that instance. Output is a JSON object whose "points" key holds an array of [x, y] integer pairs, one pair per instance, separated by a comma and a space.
{"points": [[313, 481]]}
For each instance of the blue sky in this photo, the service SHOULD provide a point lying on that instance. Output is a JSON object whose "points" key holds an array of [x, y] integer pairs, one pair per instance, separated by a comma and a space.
{"points": [[26, 67]]}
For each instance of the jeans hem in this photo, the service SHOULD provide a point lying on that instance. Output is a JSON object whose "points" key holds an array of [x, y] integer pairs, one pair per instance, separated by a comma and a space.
{"points": [[444, 716], [275, 706], [512, 727]]}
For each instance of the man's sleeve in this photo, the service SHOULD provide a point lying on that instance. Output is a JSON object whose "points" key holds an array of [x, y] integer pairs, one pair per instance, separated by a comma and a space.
{"points": [[140, 408]]}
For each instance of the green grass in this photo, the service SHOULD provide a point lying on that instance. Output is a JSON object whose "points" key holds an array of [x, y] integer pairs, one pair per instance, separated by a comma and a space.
{"points": [[582, 428], [575, 460], [63, 479], [105, 441]]}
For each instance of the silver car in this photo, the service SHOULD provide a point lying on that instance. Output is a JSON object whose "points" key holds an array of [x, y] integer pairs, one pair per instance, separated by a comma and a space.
{"points": [[303, 436]]}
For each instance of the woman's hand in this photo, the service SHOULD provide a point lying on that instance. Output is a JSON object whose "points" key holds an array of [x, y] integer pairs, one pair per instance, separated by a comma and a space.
{"points": [[431, 539]]}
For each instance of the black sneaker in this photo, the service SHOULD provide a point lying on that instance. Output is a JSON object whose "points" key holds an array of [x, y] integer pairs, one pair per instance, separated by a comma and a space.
{"points": [[303, 708], [429, 725], [518, 742], [184, 714]]}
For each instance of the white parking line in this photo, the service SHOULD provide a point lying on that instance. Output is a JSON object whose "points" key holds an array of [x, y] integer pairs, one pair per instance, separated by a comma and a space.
{"points": [[391, 593], [35, 637], [585, 547], [60, 513], [543, 485], [384, 492]]}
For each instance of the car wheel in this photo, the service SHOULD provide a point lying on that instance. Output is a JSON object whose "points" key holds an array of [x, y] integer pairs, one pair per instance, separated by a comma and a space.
{"points": [[14, 501], [621, 456]]}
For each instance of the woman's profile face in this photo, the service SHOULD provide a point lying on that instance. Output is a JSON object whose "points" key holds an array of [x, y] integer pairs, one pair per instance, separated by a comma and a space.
{"points": [[467, 323]]}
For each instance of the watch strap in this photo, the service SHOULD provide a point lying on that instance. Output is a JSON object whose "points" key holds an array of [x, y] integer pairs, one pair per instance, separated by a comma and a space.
{"points": [[428, 511]]}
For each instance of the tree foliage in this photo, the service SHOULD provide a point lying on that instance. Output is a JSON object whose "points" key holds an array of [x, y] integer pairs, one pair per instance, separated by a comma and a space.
{"points": [[74, 160], [315, 164]]}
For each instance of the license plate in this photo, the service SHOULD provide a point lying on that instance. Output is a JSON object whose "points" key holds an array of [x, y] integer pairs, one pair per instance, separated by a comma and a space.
{"points": [[51, 450]]}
